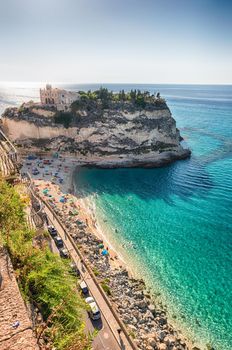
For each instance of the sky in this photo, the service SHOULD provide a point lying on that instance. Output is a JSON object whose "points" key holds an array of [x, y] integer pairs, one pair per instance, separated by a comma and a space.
{"points": [[116, 41]]}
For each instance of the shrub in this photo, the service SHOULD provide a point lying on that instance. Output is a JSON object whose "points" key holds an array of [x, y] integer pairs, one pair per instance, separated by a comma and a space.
{"points": [[44, 278], [64, 118], [106, 288]]}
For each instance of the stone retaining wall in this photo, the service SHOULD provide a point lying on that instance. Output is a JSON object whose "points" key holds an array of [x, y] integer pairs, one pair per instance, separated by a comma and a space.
{"points": [[13, 310]]}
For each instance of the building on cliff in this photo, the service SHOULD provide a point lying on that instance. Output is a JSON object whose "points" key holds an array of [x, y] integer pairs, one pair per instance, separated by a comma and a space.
{"points": [[58, 98]]}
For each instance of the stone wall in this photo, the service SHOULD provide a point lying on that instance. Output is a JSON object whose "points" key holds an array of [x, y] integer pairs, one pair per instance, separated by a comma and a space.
{"points": [[12, 310]]}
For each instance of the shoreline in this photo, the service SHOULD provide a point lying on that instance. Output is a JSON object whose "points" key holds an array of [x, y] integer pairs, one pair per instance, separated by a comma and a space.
{"points": [[114, 268], [135, 272]]}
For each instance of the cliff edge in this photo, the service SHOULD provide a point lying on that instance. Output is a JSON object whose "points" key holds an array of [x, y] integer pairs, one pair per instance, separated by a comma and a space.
{"points": [[115, 130]]}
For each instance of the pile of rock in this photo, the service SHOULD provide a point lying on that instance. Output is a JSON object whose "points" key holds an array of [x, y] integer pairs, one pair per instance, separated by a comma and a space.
{"points": [[145, 320]]}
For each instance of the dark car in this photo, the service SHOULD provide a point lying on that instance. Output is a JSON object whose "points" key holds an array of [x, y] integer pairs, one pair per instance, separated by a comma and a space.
{"points": [[52, 230], [64, 253], [59, 242], [74, 269]]}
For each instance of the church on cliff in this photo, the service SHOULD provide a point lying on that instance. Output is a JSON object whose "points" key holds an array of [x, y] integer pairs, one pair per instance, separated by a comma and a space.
{"points": [[59, 98]]}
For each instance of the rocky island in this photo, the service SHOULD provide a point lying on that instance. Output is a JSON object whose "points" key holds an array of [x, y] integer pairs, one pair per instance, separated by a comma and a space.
{"points": [[103, 128]]}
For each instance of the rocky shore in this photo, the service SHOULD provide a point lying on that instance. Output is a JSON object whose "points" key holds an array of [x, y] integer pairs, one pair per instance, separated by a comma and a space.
{"points": [[145, 319]]}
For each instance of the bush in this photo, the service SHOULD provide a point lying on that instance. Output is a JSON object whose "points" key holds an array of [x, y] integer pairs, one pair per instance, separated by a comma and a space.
{"points": [[106, 288], [64, 118], [44, 278]]}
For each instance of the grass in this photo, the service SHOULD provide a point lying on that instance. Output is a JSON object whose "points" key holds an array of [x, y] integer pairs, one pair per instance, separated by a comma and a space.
{"points": [[96, 272], [106, 287], [43, 277]]}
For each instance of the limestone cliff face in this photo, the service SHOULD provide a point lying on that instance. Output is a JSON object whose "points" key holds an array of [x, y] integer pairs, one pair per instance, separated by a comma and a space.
{"points": [[116, 138]]}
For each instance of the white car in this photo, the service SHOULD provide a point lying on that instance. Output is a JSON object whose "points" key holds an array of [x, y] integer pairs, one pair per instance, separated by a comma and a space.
{"points": [[84, 288], [89, 300], [94, 312]]}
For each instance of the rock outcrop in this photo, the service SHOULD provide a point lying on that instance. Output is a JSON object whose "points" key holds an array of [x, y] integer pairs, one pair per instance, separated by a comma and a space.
{"points": [[122, 137]]}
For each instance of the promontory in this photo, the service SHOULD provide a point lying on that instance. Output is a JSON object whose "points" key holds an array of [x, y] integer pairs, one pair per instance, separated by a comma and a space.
{"points": [[102, 128]]}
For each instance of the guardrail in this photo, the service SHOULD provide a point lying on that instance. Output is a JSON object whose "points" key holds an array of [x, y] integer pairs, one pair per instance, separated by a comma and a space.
{"points": [[121, 324]]}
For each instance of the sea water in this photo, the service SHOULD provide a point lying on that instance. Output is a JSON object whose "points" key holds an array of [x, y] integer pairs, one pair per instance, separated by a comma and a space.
{"points": [[174, 224]]}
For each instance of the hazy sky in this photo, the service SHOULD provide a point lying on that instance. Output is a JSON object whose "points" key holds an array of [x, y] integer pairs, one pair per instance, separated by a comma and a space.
{"points": [[141, 41]]}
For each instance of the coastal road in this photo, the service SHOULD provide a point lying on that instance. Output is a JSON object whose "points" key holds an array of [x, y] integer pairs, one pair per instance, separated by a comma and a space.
{"points": [[104, 339], [107, 337]]}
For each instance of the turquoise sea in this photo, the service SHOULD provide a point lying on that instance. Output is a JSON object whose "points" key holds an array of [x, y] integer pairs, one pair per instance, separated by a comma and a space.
{"points": [[174, 224]]}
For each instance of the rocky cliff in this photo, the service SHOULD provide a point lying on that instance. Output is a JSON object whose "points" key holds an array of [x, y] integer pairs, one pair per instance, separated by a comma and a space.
{"points": [[110, 137]]}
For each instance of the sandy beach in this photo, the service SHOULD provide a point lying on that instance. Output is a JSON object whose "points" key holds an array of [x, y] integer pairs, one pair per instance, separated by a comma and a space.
{"points": [[54, 183], [52, 179]]}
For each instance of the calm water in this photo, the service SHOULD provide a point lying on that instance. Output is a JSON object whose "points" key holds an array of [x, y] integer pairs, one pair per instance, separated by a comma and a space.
{"points": [[175, 223]]}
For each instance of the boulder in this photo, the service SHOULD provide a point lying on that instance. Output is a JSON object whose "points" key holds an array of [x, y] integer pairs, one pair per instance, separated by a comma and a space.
{"points": [[151, 342], [162, 346]]}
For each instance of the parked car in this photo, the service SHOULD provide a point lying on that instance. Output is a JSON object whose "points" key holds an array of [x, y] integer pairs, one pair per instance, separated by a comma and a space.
{"points": [[64, 253], [59, 242], [94, 312], [74, 269], [35, 171], [84, 287], [52, 230], [89, 300]]}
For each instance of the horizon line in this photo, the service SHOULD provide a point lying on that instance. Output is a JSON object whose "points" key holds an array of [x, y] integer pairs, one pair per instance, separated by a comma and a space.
{"points": [[111, 83]]}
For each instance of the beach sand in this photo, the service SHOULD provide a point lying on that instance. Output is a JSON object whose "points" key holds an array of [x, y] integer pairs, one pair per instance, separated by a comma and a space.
{"points": [[54, 184]]}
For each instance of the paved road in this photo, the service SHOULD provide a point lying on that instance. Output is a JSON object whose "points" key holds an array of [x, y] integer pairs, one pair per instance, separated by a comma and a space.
{"points": [[104, 339], [107, 337]]}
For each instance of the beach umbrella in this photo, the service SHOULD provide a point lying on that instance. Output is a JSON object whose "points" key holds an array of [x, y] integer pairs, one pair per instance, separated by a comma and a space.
{"points": [[105, 252], [100, 245]]}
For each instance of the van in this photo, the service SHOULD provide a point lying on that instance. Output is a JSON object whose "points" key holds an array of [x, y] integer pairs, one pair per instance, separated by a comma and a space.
{"points": [[52, 230], [59, 242], [94, 312], [84, 287], [64, 253]]}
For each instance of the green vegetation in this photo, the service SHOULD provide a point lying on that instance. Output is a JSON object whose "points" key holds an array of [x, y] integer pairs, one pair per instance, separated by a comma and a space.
{"points": [[95, 271], [132, 334], [91, 106], [106, 287], [64, 118], [105, 99], [44, 278]]}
